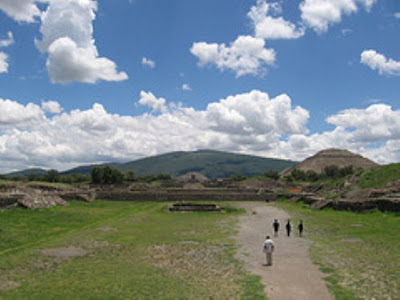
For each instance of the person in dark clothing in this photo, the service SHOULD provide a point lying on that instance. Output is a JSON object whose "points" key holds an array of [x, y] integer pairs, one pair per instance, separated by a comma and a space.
{"points": [[288, 227], [276, 227], [300, 227]]}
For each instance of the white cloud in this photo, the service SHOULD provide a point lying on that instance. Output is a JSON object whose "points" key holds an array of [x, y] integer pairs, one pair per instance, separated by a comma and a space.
{"points": [[67, 62], [148, 62], [397, 15], [256, 113], [375, 123], [320, 14], [21, 10], [3, 62], [246, 55], [186, 87], [67, 32], [51, 107], [379, 62], [65, 140], [156, 104], [13, 113], [268, 27], [250, 123], [9, 41]]}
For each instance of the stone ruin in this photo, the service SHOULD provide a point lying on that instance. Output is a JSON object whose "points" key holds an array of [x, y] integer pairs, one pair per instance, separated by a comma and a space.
{"points": [[38, 198], [188, 207]]}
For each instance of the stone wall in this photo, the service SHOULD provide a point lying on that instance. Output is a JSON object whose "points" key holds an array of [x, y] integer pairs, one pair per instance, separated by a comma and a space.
{"points": [[187, 195]]}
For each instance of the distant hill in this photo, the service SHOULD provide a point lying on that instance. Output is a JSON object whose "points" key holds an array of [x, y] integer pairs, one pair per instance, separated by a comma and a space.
{"points": [[27, 172], [329, 157], [213, 164]]}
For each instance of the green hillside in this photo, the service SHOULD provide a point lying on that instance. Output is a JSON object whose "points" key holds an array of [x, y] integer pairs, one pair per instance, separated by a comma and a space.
{"points": [[379, 178], [213, 164], [27, 172]]}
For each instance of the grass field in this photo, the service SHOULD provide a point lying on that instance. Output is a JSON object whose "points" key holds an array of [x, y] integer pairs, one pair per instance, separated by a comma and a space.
{"points": [[360, 253], [125, 250], [121, 250]]}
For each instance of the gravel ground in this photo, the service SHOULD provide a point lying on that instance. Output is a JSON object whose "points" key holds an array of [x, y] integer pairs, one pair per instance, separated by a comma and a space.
{"points": [[292, 275]]}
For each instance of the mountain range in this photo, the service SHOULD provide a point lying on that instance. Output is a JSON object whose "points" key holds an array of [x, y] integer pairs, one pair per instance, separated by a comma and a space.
{"points": [[213, 164]]}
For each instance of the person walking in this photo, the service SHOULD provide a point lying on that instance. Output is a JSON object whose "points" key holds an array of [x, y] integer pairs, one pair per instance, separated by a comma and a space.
{"points": [[276, 227], [288, 227], [268, 249], [300, 227]]}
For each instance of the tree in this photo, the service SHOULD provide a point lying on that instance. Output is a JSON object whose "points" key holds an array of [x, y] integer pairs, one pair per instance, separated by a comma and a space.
{"points": [[164, 177], [106, 175], [52, 176], [332, 171], [347, 170], [96, 175], [312, 175], [298, 175], [272, 174], [237, 177], [130, 176]]}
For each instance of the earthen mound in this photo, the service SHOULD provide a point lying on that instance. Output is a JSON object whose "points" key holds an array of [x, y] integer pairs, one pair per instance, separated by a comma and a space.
{"points": [[332, 157], [192, 178]]}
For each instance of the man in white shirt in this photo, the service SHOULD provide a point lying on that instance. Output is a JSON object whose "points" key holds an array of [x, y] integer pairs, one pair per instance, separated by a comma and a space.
{"points": [[268, 248]]}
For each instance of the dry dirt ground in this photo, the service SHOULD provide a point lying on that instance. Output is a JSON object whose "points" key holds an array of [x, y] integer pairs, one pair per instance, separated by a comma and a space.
{"points": [[292, 275]]}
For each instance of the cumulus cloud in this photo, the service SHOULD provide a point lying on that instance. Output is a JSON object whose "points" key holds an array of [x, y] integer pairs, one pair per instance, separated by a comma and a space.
{"points": [[148, 62], [14, 113], [9, 41], [156, 104], [67, 62], [269, 27], [246, 55], [251, 122], [256, 113], [320, 14], [88, 136], [397, 15], [67, 36], [52, 107], [377, 122], [379, 62], [3, 62], [21, 10]]}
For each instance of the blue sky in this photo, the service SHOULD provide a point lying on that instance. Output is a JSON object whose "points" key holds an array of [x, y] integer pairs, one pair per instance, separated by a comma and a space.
{"points": [[84, 81]]}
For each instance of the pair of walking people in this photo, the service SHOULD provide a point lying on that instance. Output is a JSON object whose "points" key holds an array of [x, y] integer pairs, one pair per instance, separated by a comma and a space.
{"points": [[288, 227]]}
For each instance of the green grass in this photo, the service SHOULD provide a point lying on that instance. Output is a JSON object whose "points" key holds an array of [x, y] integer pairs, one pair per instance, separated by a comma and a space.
{"points": [[381, 177], [7, 183], [134, 251], [358, 252]]}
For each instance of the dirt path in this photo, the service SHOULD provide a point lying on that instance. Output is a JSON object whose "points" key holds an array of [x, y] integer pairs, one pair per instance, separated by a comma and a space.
{"points": [[292, 276]]}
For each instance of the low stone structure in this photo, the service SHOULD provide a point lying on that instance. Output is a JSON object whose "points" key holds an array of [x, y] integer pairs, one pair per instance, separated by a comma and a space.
{"points": [[185, 207], [34, 198], [188, 195]]}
